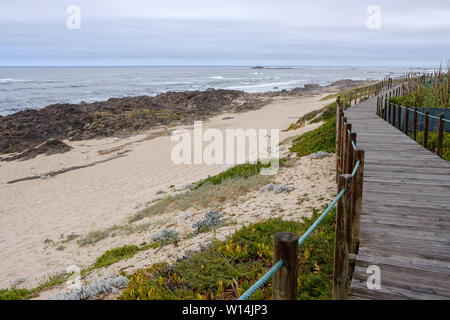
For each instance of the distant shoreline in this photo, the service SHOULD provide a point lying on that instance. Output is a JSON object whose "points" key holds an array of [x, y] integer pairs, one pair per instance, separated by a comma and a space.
{"points": [[25, 131]]}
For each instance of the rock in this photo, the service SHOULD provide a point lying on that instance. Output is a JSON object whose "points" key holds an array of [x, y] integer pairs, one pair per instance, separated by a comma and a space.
{"points": [[47, 148], [118, 116], [319, 155], [18, 281]]}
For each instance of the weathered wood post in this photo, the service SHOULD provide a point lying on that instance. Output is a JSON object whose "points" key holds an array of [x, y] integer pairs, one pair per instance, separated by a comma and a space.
{"points": [[357, 190], [440, 135], [284, 283], [342, 141], [389, 112], [415, 125], [399, 121], [394, 109], [378, 107], [385, 110], [406, 120], [348, 127], [340, 271], [338, 134], [425, 131]]}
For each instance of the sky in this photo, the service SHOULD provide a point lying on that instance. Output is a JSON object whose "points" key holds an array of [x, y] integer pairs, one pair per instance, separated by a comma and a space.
{"points": [[226, 32]]}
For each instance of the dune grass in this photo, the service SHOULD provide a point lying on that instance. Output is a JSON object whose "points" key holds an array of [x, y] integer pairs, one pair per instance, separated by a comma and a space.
{"points": [[321, 139], [24, 294], [114, 255], [213, 191], [225, 270], [428, 90]]}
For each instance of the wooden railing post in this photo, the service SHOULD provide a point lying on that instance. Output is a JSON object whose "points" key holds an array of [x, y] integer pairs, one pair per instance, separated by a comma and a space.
{"points": [[394, 109], [399, 121], [385, 110], [284, 283], [415, 125], [357, 190], [425, 131], [440, 135], [338, 135], [342, 141], [406, 120], [340, 271], [379, 107], [390, 112], [348, 127]]}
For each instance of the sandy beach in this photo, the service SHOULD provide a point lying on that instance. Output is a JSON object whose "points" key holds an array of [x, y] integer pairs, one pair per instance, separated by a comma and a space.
{"points": [[118, 177]]}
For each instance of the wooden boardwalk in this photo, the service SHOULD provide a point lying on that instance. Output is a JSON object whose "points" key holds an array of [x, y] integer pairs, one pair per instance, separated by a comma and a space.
{"points": [[405, 220]]}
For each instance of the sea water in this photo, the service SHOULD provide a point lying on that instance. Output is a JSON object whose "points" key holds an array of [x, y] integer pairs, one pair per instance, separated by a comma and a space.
{"points": [[36, 87]]}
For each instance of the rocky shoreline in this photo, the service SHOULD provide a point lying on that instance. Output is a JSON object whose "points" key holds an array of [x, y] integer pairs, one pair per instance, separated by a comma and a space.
{"points": [[24, 133]]}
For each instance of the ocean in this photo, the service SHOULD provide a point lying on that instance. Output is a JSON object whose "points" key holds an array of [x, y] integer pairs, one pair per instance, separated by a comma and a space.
{"points": [[36, 87]]}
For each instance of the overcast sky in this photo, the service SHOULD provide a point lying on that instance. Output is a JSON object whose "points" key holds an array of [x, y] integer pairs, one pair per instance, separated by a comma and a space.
{"points": [[226, 32]]}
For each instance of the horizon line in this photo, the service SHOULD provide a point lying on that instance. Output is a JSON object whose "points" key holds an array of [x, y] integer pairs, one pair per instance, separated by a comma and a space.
{"points": [[212, 65]]}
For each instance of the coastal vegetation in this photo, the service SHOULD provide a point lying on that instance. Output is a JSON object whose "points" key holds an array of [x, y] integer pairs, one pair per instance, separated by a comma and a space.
{"points": [[429, 91], [114, 255], [322, 138], [433, 141], [15, 293], [225, 270]]}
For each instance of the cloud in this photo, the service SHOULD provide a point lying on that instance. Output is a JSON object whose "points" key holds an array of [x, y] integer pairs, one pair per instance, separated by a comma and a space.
{"points": [[225, 32]]}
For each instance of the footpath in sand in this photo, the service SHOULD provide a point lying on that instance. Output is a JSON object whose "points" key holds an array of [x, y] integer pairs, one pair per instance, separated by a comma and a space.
{"points": [[120, 177]]}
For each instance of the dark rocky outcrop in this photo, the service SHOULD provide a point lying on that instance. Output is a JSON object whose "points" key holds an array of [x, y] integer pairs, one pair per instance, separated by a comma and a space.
{"points": [[47, 148], [24, 132], [117, 116]]}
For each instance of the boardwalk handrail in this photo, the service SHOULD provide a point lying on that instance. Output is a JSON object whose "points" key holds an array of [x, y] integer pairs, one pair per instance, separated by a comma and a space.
{"points": [[266, 277], [391, 112], [348, 211]]}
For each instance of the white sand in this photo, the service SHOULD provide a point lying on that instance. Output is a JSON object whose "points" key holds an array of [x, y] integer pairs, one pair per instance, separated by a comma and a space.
{"points": [[100, 196]]}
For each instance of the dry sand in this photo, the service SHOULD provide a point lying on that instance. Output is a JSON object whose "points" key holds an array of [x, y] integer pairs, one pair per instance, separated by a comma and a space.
{"points": [[108, 193]]}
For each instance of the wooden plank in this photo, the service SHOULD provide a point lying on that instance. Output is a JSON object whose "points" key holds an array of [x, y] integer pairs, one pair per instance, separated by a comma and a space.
{"points": [[417, 281], [405, 216], [375, 257]]}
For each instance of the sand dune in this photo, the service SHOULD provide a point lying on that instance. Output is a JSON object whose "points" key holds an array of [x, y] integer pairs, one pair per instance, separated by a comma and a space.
{"points": [[104, 194]]}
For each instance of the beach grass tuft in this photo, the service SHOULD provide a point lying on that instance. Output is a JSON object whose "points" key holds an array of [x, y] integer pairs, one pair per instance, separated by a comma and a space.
{"points": [[114, 255]]}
